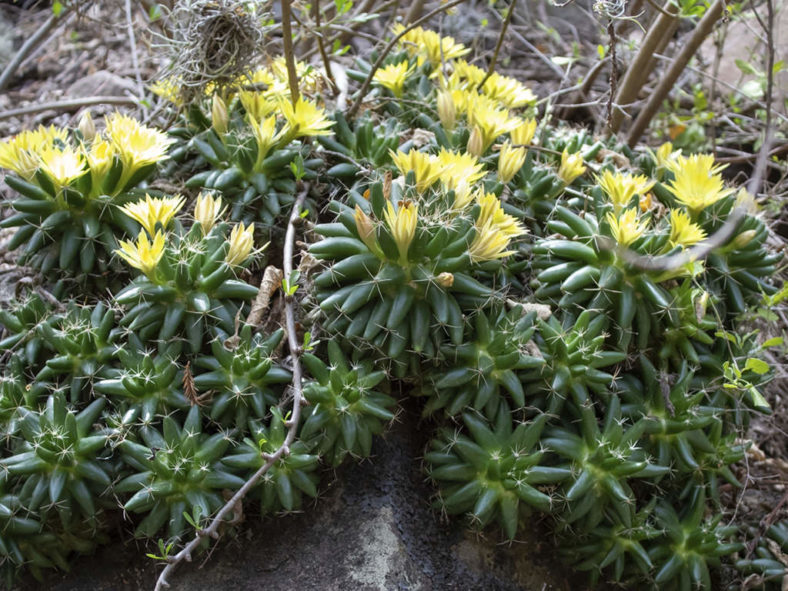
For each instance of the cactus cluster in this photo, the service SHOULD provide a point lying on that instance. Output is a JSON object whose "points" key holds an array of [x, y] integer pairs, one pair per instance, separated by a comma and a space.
{"points": [[453, 245]]}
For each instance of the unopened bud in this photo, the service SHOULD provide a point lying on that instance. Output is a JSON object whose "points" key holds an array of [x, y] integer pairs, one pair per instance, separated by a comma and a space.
{"points": [[366, 229], [446, 111], [86, 127], [219, 116], [744, 239], [475, 142], [445, 279]]}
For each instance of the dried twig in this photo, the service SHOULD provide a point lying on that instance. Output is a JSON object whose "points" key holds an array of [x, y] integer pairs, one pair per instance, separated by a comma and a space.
{"points": [[230, 508], [501, 36], [387, 49], [135, 62], [287, 49], [272, 279], [29, 45], [700, 33], [68, 105]]}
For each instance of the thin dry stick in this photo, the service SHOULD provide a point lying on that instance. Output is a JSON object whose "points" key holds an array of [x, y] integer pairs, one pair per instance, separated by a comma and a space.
{"points": [[613, 41], [321, 47], [212, 530], [387, 49], [68, 105], [29, 45], [700, 33], [287, 49], [133, 43], [637, 72], [502, 34]]}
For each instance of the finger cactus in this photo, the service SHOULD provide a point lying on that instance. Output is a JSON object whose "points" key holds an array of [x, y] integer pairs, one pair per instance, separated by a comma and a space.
{"points": [[346, 408], [178, 469], [492, 470], [70, 188]]}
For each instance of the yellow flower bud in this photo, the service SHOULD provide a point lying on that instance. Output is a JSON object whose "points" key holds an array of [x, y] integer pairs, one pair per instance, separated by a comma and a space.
{"points": [[571, 167], [366, 230], [475, 142], [207, 210], [446, 110], [219, 116], [86, 127], [510, 161], [744, 239], [445, 279], [241, 242], [402, 225], [523, 134]]}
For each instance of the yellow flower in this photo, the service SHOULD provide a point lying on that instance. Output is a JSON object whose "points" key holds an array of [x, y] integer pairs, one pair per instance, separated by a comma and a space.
{"points": [[20, 154], [683, 232], [62, 166], [241, 242], [430, 46], [697, 183], [510, 161], [393, 77], [256, 104], [149, 212], [466, 75], [169, 89], [492, 213], [490, 120], [508, 91], [571, 167], [665, 156], [265, 136], [475, 145], [219, 116], [462, 195], [447, 113], [424, 166], [523, 134], [207, 210], [305, 119], [622, 187], [99, 158], [87, 127], [402, 224], [136, 144], [144, 255], [456, 167], [626, 229]]}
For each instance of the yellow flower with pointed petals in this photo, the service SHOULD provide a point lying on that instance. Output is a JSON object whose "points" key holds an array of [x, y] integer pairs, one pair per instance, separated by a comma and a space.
{"points": [[168, 89], [492, 213], [466, 75], [394, 76], [265, 136], [207, 210], [491, 120], [99, 157], [256, 104], [683, 232], [137, 145], [666, 156], [425, 167], [241, 242], [622, 187], [447, 112], [20, 154], [402, 225], [458, 166], [149, 211], [508, 91], [145, 254], [572, 166], [697, 182], [523, 134], [306, 119], [510, 161], [625, 228], [62, 166], [462, 195], [428, 45], [366, 231]]}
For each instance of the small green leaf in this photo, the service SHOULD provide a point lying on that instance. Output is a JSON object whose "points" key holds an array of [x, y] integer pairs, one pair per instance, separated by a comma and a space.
{"points": [[757, 365], [775, 342], [57, 8]]}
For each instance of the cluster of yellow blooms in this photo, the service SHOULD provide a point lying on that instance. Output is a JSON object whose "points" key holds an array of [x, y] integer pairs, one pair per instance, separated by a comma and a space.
{"points": [[155, 216], [49, 150], [696, 185]]}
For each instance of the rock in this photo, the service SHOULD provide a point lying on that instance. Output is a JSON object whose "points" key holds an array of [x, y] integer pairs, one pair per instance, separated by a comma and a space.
{"points": [[101, 83], [372, 530]]}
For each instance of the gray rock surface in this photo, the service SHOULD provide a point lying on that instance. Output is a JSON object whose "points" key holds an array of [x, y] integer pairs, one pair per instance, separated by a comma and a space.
{"points": [[372, 530]]}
